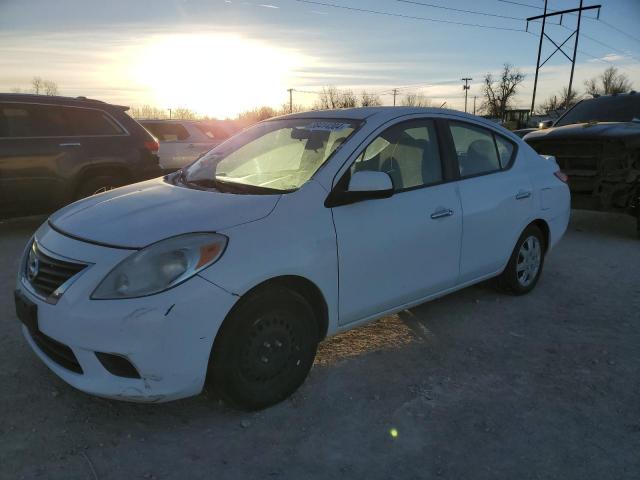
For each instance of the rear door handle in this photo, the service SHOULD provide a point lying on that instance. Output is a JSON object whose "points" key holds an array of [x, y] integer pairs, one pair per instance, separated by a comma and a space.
{"points": [[445, 212], [75, 144], [522, 194]]}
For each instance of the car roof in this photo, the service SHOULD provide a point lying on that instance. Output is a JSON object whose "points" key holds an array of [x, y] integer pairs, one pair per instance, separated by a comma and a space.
{"points": [[57, 100], [383, 114]]}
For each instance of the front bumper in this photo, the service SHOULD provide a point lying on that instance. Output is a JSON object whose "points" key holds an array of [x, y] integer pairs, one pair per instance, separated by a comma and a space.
{"points": [[166, 337]]}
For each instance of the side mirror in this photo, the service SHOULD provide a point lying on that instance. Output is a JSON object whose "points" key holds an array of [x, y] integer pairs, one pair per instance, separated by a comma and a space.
{"points": [[545, 124], [363, 185], [371, 182]]}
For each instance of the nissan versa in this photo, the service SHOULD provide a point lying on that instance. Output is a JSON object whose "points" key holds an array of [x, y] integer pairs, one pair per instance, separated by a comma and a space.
{"points": [[233, 269]]}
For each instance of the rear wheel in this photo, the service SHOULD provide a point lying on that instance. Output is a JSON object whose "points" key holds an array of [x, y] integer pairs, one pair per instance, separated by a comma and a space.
{"points": [[525, 265], [265, 349], [98, 184]]}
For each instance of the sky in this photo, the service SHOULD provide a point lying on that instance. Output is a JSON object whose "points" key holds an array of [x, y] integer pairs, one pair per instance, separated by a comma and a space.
{"points": [[221, 57]]}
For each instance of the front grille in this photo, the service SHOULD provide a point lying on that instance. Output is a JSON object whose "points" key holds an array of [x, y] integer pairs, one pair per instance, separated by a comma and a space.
{"points": [[583, 156], [56, 351], [46, 274]]}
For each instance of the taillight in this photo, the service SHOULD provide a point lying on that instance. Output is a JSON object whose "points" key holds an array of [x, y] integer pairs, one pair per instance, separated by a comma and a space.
{"points": [[152, 145], [563, 177]]}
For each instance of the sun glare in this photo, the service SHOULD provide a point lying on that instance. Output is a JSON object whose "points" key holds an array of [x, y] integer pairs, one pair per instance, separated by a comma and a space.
{"points": [[215, 75]]}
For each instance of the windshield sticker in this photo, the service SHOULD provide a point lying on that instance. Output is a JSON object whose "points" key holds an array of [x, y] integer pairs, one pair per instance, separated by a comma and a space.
{"points": [[327, 126]]}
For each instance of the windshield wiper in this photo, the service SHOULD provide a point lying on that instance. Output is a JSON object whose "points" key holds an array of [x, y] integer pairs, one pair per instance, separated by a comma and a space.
{"points": [[231, 187]]}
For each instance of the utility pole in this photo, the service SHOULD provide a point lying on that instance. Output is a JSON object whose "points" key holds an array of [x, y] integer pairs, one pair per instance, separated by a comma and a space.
{"points": [[474, 104], [290, 90], [395, 92], [543, 35], [169, 113], [466, 87], [575, 49]]}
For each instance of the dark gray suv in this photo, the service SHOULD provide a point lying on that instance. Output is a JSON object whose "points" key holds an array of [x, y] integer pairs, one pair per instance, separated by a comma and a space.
{"points": [[54, 150]]}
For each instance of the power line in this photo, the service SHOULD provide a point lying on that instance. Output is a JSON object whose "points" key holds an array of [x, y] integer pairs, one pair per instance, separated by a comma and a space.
{"points": [[399, 15], [474, 12], [619, 30]]}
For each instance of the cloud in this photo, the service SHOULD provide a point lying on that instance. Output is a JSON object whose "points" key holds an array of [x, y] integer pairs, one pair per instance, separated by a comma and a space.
{"points": [[610, 57]]}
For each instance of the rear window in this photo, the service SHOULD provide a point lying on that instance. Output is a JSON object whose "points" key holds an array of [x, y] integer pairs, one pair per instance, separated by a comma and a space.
{"points": [[214, 132], [167, 132], [30, 120], [619, 108]]}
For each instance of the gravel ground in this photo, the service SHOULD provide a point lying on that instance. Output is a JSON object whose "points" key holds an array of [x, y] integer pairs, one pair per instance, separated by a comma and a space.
{"points": [[477, 385]]}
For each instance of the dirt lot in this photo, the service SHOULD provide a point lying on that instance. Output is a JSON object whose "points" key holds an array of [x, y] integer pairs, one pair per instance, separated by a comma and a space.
{"points": [[477, 385]]}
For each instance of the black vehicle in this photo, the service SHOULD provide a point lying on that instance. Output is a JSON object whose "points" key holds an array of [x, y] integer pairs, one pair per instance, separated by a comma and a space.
{"points": [[597, 144], [54, 150]]}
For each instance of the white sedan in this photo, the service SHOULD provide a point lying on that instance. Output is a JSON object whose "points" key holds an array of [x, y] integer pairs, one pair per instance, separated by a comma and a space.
{"points": [[233, 269]]}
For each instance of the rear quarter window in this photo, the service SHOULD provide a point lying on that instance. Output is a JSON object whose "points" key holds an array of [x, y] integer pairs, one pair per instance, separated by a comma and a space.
{"points": [[89, 122]]}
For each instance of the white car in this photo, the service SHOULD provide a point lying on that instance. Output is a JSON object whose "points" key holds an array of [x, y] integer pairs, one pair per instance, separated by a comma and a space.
{"points": [[182, 141], [293, 230]]}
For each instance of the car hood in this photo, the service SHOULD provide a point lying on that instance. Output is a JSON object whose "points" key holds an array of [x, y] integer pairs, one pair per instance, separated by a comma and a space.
{"points": [[138, 215], [587, 131]]}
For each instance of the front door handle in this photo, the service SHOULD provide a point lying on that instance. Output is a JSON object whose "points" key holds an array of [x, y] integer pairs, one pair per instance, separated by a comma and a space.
{"points": [[522, 194], [445, 212], [73, 144]]}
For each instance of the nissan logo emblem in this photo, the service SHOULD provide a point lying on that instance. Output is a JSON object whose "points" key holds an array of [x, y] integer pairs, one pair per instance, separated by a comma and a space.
{"points": [[33, 266]]}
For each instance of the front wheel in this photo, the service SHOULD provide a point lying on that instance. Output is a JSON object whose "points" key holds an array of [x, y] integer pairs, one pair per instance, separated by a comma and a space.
{"points": [[265, 349], [525, 265]]}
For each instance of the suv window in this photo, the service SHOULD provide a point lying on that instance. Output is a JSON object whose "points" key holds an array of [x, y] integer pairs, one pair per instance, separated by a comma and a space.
{"points": [[86, 121], [25, 120], [408, 152], [31, 120], [167, 132], [479, 150]]}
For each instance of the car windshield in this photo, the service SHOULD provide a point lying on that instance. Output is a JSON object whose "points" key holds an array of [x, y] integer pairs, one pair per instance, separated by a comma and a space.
{"points": [[619, 108], [272, 156]]}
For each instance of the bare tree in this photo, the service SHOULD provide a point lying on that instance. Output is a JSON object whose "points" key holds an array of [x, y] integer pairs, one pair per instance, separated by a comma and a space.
{"points": [[256, 115], [416, 100], [50, 87], [498, 94], [37, 85], [182, 113], [556, 102], [369, 99], [609, 82], [332, 97], [45, 87], [148, 112]]}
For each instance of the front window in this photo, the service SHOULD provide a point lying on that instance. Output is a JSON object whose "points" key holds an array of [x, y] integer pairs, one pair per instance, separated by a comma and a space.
{"points": [[620, 108], [273, 156]]}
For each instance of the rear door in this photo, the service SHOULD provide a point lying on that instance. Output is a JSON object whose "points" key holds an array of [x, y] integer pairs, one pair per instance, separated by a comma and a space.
{"points": [[496, 195], [35, 144]]}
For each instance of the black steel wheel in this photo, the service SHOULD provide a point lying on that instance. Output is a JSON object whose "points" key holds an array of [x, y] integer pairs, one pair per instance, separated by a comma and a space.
{"points": [[265, 349]]}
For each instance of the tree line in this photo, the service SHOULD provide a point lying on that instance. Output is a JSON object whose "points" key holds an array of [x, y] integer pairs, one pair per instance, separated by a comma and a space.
{"points": [[498, 95]]}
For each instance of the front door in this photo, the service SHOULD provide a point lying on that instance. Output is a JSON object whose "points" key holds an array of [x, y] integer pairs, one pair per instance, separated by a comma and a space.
{"points": [[400, 249]]}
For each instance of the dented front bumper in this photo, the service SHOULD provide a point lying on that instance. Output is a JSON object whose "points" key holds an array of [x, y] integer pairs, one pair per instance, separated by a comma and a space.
{"points": [[167, 337]]}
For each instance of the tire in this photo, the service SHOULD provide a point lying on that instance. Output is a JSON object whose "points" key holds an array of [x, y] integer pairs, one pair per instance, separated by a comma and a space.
{"points": [[525, 265], [265, 349], [98, 184]]}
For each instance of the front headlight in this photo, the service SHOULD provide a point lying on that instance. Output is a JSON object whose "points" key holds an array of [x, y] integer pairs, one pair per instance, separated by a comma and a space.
{"points": [[161, 266]]}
